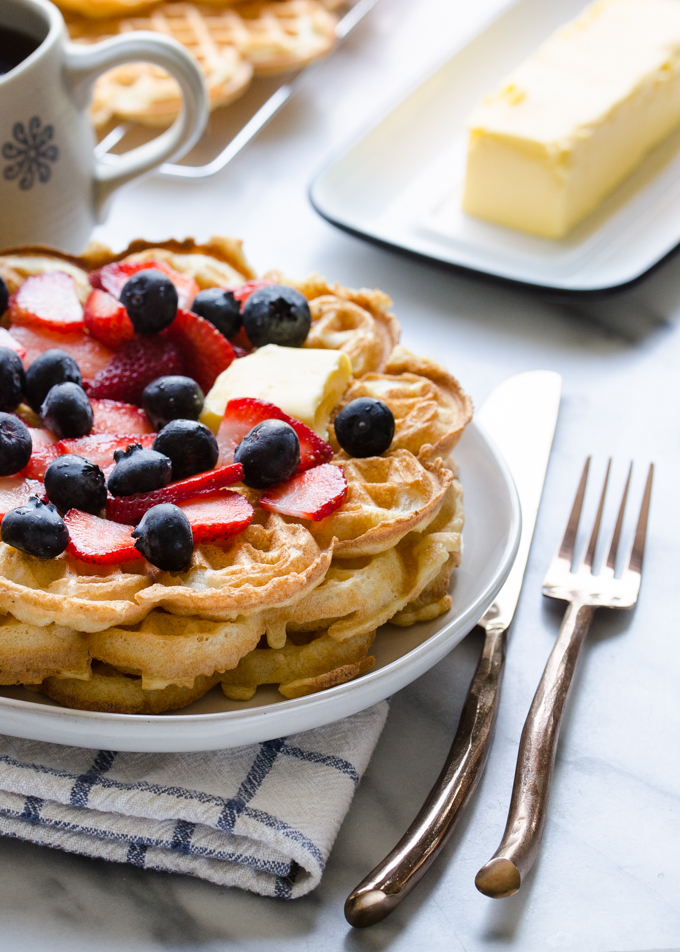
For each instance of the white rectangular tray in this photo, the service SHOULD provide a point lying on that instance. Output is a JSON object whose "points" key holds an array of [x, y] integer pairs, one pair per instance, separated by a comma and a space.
{"points": [[400, 184]]}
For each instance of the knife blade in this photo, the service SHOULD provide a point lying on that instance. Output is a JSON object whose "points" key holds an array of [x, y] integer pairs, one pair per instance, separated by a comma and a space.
{"points": [[520, 416]]}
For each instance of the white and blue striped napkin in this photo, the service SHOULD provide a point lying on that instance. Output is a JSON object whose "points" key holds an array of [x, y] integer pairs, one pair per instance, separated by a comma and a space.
{"points": [[263, 817]]}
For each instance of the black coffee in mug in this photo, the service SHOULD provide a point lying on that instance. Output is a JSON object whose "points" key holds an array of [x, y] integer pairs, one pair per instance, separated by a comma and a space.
{"points": [[14, 48]]}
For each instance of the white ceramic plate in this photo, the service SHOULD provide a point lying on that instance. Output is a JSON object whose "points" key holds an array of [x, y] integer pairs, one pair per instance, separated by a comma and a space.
{"points": [[401, 183], [402, 654]]}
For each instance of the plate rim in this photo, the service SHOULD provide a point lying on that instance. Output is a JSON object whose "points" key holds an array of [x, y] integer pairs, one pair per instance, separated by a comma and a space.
{"points": [[436, 644], [536, 287]]}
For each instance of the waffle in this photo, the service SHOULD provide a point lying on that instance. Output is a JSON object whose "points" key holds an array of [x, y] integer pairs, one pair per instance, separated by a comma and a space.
{"points": [[230, 43], [288, 601], [429, 406]]}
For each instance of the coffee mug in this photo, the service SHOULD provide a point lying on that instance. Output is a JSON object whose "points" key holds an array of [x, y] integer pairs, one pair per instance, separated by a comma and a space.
{"points": [[53, 190]]}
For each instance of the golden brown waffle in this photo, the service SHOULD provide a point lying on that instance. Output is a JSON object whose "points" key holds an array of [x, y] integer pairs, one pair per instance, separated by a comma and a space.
{"points": [[230, 43], [287, 601], [430, 408]]}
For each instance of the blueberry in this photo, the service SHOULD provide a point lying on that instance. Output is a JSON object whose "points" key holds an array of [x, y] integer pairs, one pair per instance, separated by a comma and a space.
{"points": [[66, 411], [164, 537], [36, 529], [139, 471], [365, 427], [53, 367], [4, 296], [16, 445], [190, 445], [172, 398], [277, 314], [72, 482], [12, 379], [221, 308], [269, 453], [150, 299]]}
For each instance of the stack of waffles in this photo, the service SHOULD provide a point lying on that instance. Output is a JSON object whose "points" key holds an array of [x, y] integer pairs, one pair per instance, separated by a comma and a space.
{"points": [[232, 41], [289, 601]]}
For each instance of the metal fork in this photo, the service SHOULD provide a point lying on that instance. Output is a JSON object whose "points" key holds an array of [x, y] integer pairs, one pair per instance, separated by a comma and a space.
{"points": [[503, 874]]}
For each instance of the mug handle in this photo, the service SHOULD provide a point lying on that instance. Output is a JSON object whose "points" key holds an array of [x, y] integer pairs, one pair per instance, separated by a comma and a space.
{"points": [[82, 66]]}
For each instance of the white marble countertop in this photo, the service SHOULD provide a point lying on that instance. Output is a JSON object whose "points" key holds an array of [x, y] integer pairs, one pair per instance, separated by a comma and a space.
{"points": [[607, 879]]}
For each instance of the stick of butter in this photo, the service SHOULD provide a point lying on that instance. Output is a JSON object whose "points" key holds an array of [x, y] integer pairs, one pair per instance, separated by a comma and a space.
{"points": [[570, 123], [303, 382]]}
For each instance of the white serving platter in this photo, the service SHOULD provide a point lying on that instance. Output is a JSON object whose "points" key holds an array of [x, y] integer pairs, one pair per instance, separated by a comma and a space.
{"points": [[400, 184], [491, 537]]}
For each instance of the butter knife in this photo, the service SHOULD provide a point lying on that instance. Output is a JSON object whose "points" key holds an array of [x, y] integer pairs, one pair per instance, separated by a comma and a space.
{"points": [[520, 416]]}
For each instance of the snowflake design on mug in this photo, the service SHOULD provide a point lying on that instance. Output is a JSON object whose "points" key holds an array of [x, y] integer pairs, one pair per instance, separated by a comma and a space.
{"points": [[31, 157]]}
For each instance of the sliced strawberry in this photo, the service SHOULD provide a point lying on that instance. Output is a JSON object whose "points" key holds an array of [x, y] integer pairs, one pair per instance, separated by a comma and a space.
{"points": [[90, 355], [135, 365], [116, 417], [100, 449], [107, 320], [15, 492], [241, 343], [47, 301], [130, 509], [97, 540], [311, 495], [242, 414], [218, 516], [206, 353], [6, 340], [243, 291], [45, 451], [114, 277]]}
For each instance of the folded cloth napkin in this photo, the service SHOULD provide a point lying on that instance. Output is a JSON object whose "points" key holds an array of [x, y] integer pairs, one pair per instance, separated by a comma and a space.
{"points": [[262, 817]]}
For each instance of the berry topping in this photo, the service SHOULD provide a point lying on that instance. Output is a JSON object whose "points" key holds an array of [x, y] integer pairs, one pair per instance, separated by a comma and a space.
{"points": [[88, 353], [52, 367], [130, 509], [242, 414], [172, 398], [134, 366], [107, 320], [99, 541], [99, 449], [12, 380], [150, 299], [45, 450], [218, 516], [36, 529], [365, 427], [277, 314], [269, 453], [7, 340], [311, 495], [16, 491], [66, 411], [221, 308], [139, 470], [243, 291], [15, 444], [114, 277], [205, 352], [47, 301], [114, 416], [190, 445], [4, 296], [164, 537], [73, 482]]}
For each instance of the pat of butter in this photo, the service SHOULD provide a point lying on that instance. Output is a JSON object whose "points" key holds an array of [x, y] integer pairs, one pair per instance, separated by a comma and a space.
{"points": [[577, 117], [304, 383]]}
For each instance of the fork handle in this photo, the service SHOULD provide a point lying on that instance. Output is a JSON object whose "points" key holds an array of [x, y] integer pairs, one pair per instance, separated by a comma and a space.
{"points": [[394, 878], [502, 876]]}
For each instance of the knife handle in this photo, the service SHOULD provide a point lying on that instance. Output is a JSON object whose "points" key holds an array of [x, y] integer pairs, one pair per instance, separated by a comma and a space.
{"points": [[394, 878]]}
